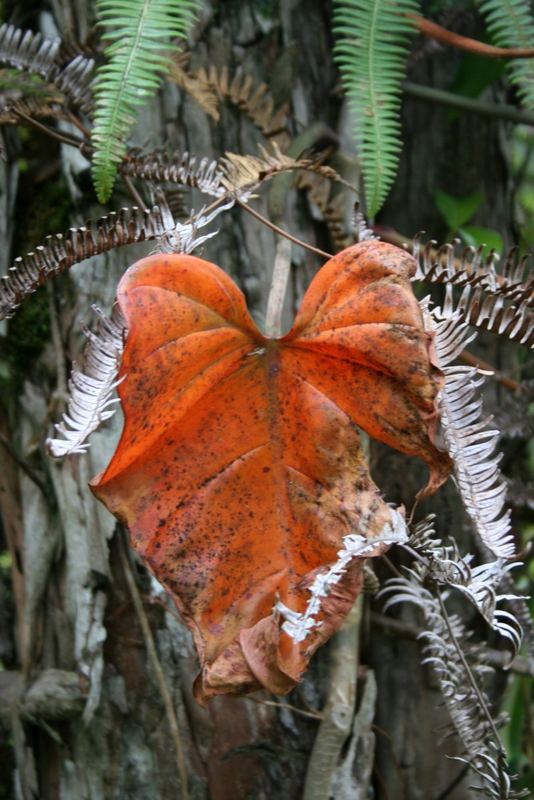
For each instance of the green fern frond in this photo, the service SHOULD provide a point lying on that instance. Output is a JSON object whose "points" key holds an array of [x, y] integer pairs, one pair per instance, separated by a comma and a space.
{"points": [[138, 33], [371, 50], [511, 24]]}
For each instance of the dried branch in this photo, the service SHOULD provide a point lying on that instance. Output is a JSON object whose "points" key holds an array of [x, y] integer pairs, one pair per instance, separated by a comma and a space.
{"points": [[61, 252]]}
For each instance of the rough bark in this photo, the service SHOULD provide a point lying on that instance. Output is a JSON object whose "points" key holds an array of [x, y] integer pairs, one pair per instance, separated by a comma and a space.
{"points": [[73, 615]]}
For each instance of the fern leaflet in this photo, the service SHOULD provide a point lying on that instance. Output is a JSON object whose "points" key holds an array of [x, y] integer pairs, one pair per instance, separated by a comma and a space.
{"points": [[137, 32], [371, 51], [511, 24]]}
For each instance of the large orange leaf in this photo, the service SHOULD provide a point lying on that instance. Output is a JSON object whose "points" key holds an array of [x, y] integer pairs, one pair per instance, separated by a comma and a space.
{"points": [[240, 473]]}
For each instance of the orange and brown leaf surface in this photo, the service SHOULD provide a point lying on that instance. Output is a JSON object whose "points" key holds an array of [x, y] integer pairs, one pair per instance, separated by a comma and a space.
{"points": [[240, 469]]}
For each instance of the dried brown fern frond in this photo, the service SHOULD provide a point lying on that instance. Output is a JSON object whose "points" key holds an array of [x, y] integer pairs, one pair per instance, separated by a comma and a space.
{"points": [[29, 51], [471, 268], [61, 252], [254, 100], [128, 226], [203, 92], [244, 173], [319, 191]]}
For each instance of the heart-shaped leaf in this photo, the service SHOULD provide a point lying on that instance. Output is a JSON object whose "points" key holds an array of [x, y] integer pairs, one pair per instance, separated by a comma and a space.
{"points": [[240, 473]]}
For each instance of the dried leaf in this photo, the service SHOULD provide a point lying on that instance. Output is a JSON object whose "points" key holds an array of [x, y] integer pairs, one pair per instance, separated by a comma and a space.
{"points": [[240, 472]]}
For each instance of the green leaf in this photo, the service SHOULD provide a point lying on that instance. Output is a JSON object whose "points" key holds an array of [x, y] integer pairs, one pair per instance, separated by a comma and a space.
{"points": [[458, 210], [475, 73], [138, 33], [371, 49], [476, 237], [511, 24]]}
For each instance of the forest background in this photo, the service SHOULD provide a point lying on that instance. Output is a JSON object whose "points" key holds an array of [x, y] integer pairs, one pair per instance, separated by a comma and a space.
{"points": [[96, 668]]}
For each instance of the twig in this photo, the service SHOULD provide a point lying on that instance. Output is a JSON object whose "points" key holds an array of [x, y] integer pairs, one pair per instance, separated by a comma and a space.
{"points": [[391, 566], [57, 341], [429, 93], [81, 144], [454, 783], [312, 715], [156, 666], [277, 293], [79, 124], [138, 200], [23, 465], [434, 31], [281, 232]]}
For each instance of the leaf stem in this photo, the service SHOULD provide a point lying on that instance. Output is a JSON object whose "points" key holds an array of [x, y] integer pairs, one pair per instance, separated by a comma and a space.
{"points": [[474, 685], [281, 232], [434, 31]]}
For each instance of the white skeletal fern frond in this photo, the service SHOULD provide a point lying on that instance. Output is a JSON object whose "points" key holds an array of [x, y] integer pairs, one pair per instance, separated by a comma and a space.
{"points": [[469, 441], [461, 674], [92, 390], [479, 583]]}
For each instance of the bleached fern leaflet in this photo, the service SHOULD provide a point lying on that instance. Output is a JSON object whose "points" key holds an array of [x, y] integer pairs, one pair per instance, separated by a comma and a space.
{"points": [[92, 389], [471, 444]]}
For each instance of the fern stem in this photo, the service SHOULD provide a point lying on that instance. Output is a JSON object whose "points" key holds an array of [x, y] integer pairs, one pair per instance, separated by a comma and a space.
{"points": [[51, 132], [505, 112], [469, 672]]}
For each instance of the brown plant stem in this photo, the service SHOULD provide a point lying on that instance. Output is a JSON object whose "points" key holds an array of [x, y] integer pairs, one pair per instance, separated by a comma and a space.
{"points": [[60, 137], [281, 232], [504, 380], [138, 200], [434, 31]]}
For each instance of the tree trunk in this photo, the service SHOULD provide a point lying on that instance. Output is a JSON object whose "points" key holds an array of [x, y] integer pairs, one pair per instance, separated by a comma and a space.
{"points": [[97, 686]]}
